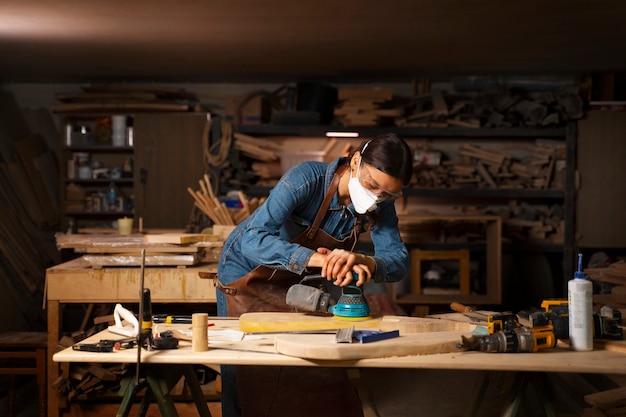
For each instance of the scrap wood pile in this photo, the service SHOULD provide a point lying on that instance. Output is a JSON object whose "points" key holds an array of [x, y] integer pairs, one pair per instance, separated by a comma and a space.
{"points": [[609, 402], [499, 107], [29, 193], [502, 108], [98, 381], [612, 281], [91, 380], [475, 166], [216, 210], [523, 222], [366, 107], [266, 160]]}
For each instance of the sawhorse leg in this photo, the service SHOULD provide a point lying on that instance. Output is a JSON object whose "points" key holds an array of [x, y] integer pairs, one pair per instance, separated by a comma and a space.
{"points": [[516, 394], [158, 381]]}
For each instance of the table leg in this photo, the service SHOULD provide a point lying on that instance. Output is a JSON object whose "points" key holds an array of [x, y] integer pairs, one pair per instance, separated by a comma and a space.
{"points": [[53, 367], [158, 381], [196, 391], [479, 394]]}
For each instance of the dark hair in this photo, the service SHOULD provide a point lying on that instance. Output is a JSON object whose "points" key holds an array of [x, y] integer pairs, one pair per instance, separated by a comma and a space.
{"points": [[389, 154]]}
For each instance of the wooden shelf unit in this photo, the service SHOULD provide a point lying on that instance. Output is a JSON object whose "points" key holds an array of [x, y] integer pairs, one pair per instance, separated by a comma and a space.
{"points": [[493, 270]]}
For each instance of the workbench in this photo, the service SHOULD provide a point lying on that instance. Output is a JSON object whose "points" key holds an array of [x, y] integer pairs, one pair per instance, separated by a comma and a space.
{"points": [[611, 360], [77, 281]]}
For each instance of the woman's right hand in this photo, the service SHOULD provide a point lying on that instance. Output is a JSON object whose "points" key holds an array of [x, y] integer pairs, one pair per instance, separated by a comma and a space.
{"points": [[339, 264]]}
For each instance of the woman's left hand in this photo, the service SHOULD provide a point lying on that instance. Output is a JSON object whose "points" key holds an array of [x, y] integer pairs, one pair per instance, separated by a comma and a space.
{"points": [[340, 263]]}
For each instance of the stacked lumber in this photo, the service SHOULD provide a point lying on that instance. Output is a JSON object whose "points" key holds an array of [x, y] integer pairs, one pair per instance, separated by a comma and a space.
{"points": [[126, 98], [479, 167], [365, 106], [613, 281], [523, 222], [435, 110], [259, 149], [29, 212], [501, 108], [87, 381]]}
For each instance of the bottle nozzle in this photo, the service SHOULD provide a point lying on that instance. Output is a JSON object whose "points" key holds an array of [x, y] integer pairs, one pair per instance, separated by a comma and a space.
{"points": [[579, 272]]}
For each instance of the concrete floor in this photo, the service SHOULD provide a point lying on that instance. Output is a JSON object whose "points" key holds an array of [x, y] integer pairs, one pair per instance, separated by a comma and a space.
{"points": [[401, 393]]}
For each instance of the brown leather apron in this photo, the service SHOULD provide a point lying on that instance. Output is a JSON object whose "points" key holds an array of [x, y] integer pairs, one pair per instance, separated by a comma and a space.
{"points": [[277, 391], [264, 288]]}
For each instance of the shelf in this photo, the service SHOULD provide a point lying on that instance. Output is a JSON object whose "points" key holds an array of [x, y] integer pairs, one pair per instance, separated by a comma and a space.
{"points": [[98, 214], [485, 193], [491, 246], [99, 148], [99, 182], [563, 196], [318, 130]]}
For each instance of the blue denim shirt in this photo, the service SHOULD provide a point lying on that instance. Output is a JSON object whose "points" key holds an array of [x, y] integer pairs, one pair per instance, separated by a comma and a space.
{"points": [[264, 237]]}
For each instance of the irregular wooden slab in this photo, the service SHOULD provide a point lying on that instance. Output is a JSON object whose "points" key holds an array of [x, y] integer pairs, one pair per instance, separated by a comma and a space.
{"points": [[289, 322], [324, 347]]}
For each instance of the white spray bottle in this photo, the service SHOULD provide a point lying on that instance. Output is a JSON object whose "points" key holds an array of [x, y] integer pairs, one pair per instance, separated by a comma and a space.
{"points": [[580, 306]]}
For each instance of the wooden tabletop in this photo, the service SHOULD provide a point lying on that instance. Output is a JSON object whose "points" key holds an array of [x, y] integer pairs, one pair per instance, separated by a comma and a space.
{"points": [[609, 358]]}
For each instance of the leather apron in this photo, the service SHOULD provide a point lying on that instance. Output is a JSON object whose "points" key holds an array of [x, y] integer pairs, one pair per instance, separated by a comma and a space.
{"points": [[277, 391], [265, 288]]}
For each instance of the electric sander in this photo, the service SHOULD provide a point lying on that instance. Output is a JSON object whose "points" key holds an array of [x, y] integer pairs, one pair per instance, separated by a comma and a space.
{"points": [[351, 305]]}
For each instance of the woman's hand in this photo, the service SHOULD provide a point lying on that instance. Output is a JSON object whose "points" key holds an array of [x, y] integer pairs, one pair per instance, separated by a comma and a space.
{"points": [[339, 264]]}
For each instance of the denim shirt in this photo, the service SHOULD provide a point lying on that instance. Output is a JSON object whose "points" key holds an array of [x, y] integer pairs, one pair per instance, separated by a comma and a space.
{"points": [[264, 237]]}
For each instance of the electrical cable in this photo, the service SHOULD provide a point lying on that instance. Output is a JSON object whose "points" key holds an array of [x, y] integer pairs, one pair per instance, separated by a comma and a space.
{"points": [[216, 154]]}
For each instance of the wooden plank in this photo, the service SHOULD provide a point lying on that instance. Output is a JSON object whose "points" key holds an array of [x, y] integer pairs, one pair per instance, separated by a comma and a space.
{"points": [[324, 346], [118, 107], [259, 322], [180, 238], [162, 259]]}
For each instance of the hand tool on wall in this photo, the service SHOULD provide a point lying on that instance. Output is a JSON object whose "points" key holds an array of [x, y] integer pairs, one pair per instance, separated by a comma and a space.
{"points": [[351, 305]]}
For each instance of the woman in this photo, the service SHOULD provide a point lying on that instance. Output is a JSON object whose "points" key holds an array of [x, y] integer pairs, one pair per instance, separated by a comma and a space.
{"points": [[311, 220]]}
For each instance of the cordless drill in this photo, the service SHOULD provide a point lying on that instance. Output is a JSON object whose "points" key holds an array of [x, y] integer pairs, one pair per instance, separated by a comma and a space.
{"points": [[512, 340], [606, 322]]}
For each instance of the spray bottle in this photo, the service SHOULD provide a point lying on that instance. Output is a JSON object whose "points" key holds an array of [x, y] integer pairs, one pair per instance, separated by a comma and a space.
{"points": [[580, 304]]}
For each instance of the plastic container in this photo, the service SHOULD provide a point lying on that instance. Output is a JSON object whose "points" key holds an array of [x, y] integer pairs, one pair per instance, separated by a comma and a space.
{"points": [[112, 193], [580, 310]]}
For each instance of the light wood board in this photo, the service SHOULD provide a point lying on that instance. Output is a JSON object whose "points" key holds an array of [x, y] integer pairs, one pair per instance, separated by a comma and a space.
{"points": [[289, 322], [324, 346]]}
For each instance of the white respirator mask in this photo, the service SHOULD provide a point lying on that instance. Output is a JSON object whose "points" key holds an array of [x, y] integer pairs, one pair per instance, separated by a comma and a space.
{"points": [[363, 199]]}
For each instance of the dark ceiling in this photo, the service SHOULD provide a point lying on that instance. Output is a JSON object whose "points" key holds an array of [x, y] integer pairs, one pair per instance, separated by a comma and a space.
{"points": [[278, 40]]}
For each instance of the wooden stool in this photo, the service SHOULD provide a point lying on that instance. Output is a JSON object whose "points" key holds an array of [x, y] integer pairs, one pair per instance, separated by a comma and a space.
{"points": [[461, 255], [25, 347]]}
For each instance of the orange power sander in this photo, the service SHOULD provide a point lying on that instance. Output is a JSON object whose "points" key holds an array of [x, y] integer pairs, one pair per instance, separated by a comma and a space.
{"points": [[351, 305]]}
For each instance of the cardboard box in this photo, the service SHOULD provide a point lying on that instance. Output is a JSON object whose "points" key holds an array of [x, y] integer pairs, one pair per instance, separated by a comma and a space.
{"points": [[253, 112]]}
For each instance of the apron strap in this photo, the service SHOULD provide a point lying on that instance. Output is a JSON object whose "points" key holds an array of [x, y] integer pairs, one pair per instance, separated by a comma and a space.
{"points": [[326, 203]]}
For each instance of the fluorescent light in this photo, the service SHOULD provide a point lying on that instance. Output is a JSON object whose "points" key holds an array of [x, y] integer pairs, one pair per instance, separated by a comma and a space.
{"points": [[342, 134]]}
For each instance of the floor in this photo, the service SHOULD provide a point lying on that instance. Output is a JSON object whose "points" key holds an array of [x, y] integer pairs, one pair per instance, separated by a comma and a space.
{"points": [[399, 393]]}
